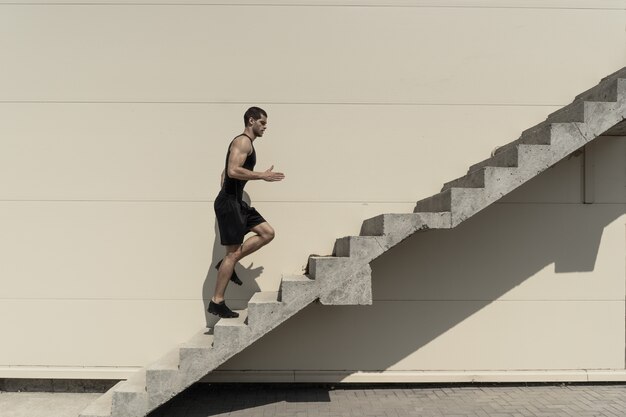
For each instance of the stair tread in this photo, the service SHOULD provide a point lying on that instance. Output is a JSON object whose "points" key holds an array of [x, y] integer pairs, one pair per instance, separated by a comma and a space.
{"points": [[168, 361], [360, 237], [234, 322], [298, 278], [263, 297], [202, 339], [135, 383]]}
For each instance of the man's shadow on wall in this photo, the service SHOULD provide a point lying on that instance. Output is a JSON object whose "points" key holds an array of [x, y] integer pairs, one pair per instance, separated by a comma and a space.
{"points": [[236, 296]]}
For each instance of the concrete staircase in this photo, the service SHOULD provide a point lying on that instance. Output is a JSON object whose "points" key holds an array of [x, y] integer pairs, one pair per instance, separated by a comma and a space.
{"points": [[345, 277]]}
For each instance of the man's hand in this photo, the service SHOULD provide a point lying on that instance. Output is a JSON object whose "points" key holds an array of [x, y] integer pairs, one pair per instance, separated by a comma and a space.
{"points": [[272, 176]]}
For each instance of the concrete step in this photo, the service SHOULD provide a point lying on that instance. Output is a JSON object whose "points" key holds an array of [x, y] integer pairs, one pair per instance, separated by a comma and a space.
{"points": [[101, 407], [162, 379], [365, 248], [460, 202], [322, 266], [196, 355], [292, 287], [606, 90], [447, 200], [474, 179], [485, 177], [504, 157], [582, 112], [535, 135], [231, 334], [263, 309], [130, 399], [397, 226]]}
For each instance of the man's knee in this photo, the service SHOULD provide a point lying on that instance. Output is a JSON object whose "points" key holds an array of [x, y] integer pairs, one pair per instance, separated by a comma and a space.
{"points": [[268, 234]]}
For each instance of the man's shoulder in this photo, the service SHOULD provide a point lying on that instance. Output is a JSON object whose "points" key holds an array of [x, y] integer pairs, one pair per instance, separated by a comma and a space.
{"points": [[243, 143]]}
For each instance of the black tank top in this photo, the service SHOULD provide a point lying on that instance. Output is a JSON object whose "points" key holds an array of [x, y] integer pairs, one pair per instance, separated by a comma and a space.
{"points": [[232, 186]]}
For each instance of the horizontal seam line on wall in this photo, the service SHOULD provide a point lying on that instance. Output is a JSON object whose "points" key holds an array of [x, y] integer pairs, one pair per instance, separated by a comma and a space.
{"points": [[279, 103], [288, 201], [381, 6], [375, 300], [211, 201]]}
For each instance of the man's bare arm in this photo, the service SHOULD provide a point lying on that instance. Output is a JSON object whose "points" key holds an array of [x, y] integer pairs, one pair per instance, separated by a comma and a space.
{"points": [[239, 151]]}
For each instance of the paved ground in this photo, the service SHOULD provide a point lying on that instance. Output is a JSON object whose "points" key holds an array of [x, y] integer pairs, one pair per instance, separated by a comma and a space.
{"points": [[407, 400], [389, 401]]}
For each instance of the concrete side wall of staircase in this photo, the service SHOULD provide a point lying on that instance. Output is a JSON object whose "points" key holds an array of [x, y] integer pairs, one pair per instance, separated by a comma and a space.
{"points": [[114, 142]]}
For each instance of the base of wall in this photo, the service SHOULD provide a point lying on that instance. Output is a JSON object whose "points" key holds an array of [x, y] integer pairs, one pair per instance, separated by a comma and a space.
{"points": [[43, 373], [609, 375]]}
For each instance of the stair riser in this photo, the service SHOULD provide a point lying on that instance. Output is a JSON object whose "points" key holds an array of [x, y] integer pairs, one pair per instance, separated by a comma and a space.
{"points": [[162, 385], [321, 267], [231, 337], [129, 404], [260, 315], [364, 248], [603, 116], [293, 290], [468, 201], [195, 363]]}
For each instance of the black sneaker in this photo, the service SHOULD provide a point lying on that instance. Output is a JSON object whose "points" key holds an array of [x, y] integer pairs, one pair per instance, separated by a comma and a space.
{"points": [[222, 310], [234, 278]]}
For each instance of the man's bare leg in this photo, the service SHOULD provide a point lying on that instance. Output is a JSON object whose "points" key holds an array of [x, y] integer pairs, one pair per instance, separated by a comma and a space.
{"points": [[234, 253]]}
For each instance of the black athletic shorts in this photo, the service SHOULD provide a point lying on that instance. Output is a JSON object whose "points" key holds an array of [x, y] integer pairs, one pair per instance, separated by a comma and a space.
{"points": [[235, 218]]}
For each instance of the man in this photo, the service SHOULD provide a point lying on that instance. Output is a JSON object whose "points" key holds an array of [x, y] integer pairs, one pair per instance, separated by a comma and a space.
{"points": [[234, 217]]}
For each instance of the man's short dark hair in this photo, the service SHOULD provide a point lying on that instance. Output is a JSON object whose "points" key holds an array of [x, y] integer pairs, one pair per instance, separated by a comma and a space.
{"points": [[255, 112]]}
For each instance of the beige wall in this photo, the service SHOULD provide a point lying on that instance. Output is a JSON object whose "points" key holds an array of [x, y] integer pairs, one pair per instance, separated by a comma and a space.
{"points": [[114, 123]]}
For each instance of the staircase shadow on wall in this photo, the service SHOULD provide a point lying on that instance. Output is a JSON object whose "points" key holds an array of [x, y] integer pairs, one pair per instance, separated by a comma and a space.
{"points": [[415, 284], [427, 285], [479, 261]]}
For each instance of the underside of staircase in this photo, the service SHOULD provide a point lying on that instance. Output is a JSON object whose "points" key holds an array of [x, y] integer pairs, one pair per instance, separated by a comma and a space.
{"points": [[345, 277]]}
